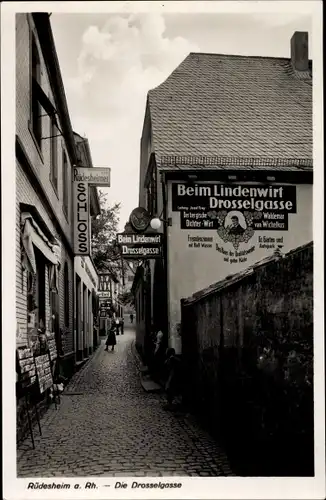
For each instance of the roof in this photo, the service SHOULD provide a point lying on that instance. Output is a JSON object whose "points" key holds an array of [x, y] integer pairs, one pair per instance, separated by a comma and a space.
{"points": [[223, 110], [84, 154]]}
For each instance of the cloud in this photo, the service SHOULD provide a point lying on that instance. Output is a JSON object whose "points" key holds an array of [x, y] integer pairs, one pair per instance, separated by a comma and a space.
{"points": [[127, 56], [280, 19], [117, 65]]}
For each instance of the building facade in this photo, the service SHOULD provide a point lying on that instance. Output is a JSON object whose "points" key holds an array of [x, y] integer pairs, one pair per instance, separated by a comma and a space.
{"points": [[46, 152], [86, 308], [226, 163]]}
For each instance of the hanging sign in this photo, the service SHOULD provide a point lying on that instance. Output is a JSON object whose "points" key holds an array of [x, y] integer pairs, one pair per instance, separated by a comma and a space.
{"points": [[104, 282], [97, 176], [140, 246], [81, 218], [83, 178], [139, 219]]}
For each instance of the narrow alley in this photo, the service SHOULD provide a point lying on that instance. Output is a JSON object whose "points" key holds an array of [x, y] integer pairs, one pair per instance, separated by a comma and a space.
{"points": [[107, 425]]}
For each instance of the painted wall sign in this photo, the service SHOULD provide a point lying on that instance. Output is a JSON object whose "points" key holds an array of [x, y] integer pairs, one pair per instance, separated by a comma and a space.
{"points": [[140, 246], [97, 176], [220, 229], [234, 207], [81, 218]]}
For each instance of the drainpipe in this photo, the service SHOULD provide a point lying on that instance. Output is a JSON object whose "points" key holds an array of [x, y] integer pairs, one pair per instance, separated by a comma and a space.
{"points": [[165, 251], [221, 380]]}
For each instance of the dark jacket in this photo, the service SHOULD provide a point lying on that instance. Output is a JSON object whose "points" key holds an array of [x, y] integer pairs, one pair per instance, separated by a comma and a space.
{"points": [[111, 340]]}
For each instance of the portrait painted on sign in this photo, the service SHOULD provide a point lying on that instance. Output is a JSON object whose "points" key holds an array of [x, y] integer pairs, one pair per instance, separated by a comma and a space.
{"points": [[235, 223], [236, 227]]}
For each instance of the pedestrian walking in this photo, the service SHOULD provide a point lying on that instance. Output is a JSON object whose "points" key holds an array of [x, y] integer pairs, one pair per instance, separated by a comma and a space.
{"points": [[158, 355], [174, 376], [131, 318], [111, 340]]}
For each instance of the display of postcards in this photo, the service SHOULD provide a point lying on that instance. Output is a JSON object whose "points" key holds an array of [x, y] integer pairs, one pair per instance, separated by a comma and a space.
{"points": [[28, 369], [24, 352], [40, 360], [44, 373], [52, 349]]}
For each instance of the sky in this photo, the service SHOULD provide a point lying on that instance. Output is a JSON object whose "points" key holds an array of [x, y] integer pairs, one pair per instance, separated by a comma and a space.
{"points": [[110, 61]]}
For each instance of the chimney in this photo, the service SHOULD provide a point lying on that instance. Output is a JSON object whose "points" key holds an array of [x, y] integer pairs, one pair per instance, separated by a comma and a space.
{"points": [[299, 51]]}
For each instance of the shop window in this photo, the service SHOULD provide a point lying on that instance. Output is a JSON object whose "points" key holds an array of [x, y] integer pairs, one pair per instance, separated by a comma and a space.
{"points": [[66, 295], [54, 153], [65, 183], [36, 110]]}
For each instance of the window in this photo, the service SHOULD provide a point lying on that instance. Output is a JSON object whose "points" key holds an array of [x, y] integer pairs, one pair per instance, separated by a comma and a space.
{"points": [[66, 295], [54, 153], [65, 184], [36, 111]]}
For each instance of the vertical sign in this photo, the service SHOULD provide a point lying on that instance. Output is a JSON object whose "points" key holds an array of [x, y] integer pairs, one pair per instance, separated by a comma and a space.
{"points": [[82, 179], [81, 218]]}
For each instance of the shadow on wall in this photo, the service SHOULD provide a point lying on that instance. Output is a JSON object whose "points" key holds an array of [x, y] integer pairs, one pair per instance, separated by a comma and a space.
{"points": [[248, 349]]}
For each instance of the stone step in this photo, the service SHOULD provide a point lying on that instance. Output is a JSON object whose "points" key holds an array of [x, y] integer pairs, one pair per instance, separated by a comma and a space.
{"points": [[149, 385]]}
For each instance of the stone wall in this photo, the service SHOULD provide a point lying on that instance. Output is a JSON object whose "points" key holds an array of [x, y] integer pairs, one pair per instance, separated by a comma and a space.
{"points": [[248, 351]]}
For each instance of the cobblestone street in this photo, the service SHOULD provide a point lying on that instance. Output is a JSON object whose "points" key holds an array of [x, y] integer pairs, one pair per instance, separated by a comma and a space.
{"points": [[107, 425]]}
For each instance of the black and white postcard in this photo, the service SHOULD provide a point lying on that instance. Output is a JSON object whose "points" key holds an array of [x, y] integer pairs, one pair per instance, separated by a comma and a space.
{"points": [[162, 204]]}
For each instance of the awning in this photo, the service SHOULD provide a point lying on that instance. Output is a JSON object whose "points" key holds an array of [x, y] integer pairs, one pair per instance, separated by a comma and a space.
{"points": [[32, 235]]}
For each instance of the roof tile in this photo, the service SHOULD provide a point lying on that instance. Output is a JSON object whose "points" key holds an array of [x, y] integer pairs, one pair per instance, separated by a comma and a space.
{"points": [[233, 106]]}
